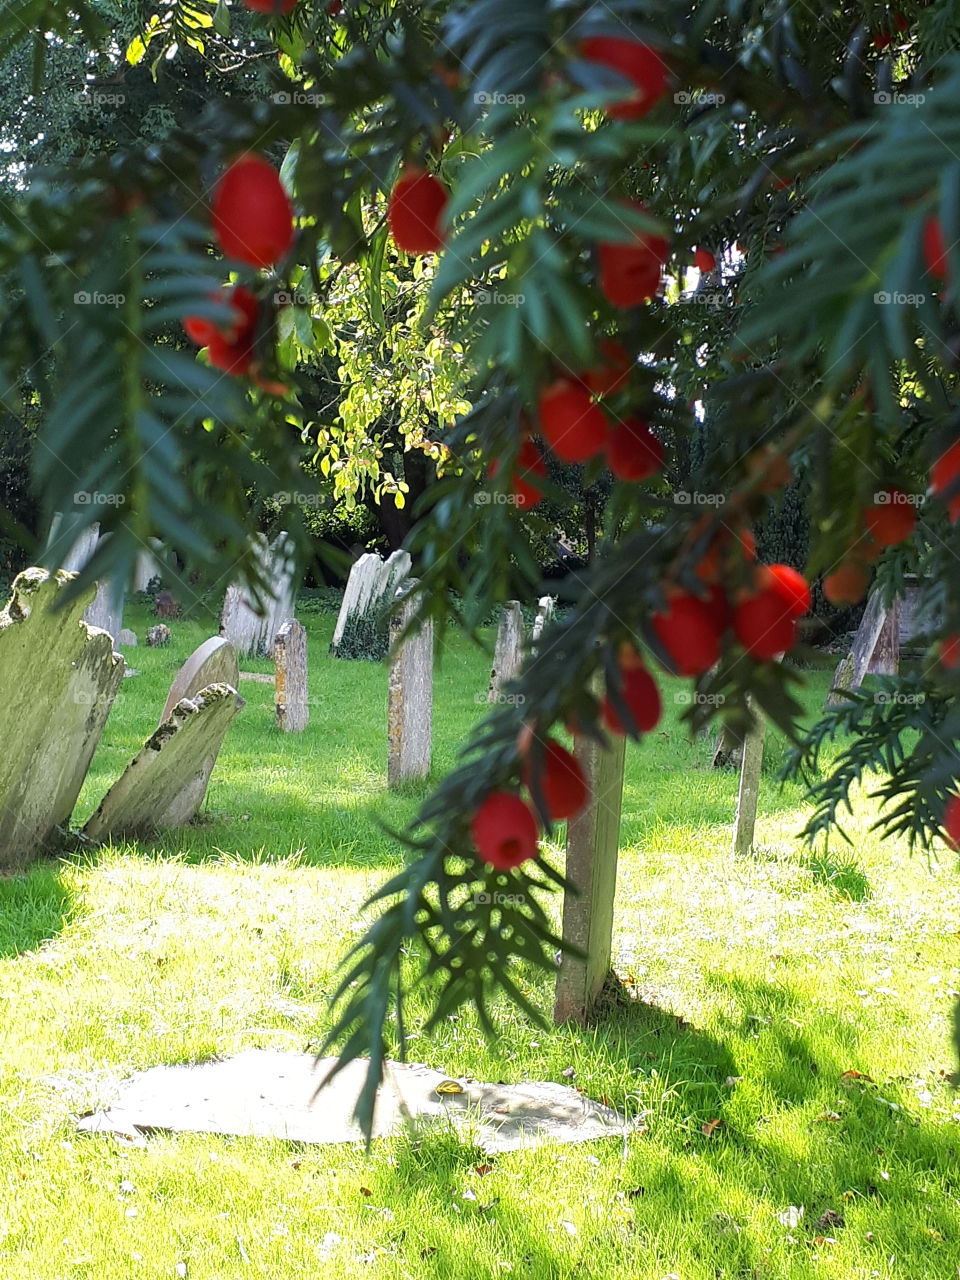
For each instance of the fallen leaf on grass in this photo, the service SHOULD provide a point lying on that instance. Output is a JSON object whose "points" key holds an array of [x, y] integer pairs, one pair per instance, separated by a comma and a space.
{"points": [[481, 1169], [711, 1127], [857, 1075], [832, 1117], [830, 1218]]}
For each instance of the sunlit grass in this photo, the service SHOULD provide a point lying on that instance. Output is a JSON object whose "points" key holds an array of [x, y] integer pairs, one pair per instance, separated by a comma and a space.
{"points": [[751, 990]]}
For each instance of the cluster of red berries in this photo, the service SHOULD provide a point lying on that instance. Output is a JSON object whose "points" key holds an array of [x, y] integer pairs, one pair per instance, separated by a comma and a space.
{"points": [[505, 828], [252, 220]]}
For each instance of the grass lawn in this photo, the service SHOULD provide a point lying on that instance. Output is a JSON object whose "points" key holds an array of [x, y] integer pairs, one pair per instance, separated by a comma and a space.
{"points": [[802, 1003]]}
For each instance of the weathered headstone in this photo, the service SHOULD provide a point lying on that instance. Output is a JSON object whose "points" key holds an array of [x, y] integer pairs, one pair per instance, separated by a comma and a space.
{"points": [[158, 637], [749, 793], [508, 654], [106, 612], [213, 662], [291, 697], [165, 784], [593, 844], [885, 659], [58, 678], [166, 605], [250, 631], [73, 552], [127, 639], [148, 565], [851, 669], [409, 697], [362, 624], [543, 616]]}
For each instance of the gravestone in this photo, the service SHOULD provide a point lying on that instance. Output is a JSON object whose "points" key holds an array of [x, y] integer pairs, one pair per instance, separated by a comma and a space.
{"points": [[148, 565], [593, 844], [291, 697], [75, 552], [508, 654], [362, 629], [543, 616], [851, 669], [127, 639], [106, 611], [106, 608], [250, 631], [410, 696], [58, 679], [213, 662], [885, 659], [748, 794], [165, 784], [166, 605]]}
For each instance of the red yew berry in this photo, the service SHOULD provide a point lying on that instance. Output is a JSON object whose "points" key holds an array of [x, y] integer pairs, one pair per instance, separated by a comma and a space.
{"points": [[504, 830], [271, 6], [614, 374], [892, 519], [574, 427], [935, 249], [847, 584], [636, 62], [252, 214], [764, 623], [689, 632], [790, 585], [945, 477], [630, 269], [633, 451], [415, 210], [719, 607], [951, 822], [230, 345], [950, 653], [641, 696], [530, 466], [562, 781], [704, 261]]}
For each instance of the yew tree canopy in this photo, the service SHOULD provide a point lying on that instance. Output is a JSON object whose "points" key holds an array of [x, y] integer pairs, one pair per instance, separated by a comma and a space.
{"points": [[758, 217]]}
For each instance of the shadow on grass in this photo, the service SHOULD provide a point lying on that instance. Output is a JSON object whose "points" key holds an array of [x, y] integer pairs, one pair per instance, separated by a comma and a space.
{"points": [[34, 906]]}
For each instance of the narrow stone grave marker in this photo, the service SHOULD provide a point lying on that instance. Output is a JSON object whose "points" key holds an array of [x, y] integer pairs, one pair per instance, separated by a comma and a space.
{"points": [[164, 785], [508, 654], [593, 844], [851, 669], [58, 679], [410, 697], [290, 681], [213, 662], [127, 638], [749, 792], [544, 614]]}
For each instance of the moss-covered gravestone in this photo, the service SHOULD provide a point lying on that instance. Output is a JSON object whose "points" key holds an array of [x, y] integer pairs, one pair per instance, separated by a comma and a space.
{"points": [[165, 784], [213, 662], [362, 629], [58, 678]]}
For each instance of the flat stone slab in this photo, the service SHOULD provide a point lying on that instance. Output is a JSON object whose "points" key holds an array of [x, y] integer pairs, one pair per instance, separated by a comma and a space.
{"points": [[267, 1093], [165, 784]]}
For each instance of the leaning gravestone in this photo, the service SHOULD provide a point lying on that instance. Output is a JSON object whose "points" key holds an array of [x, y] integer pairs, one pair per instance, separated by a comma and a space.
{"points": [[213, 662], [508, 654], [362, 624], [290, 679], [165, 784], [250, 631], [410, 696], [58, 678], [74, 553]]}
